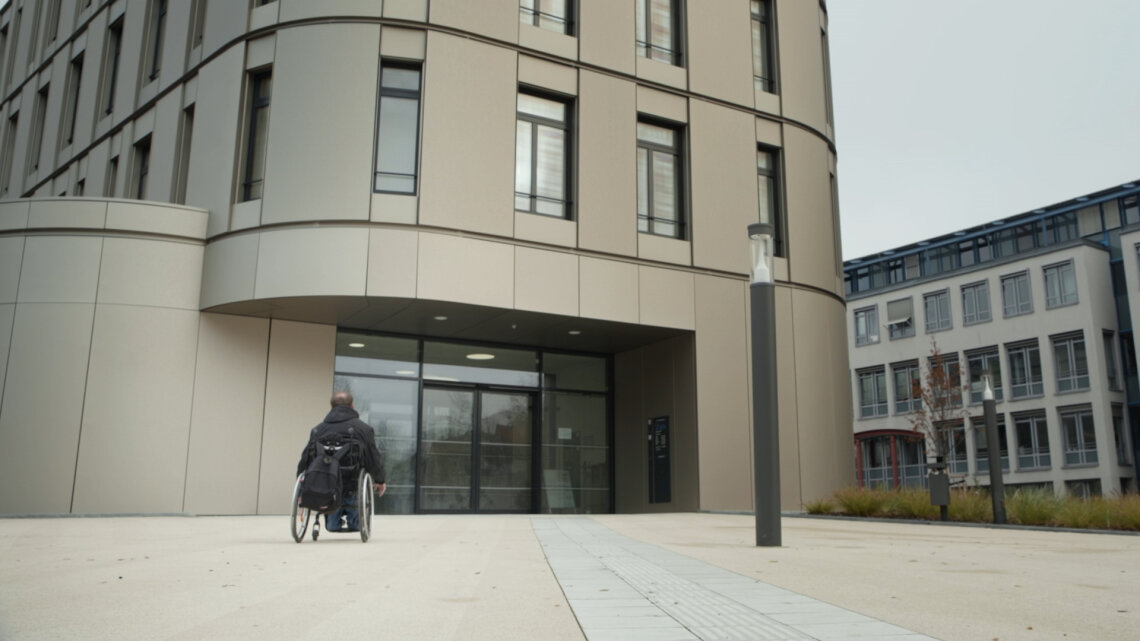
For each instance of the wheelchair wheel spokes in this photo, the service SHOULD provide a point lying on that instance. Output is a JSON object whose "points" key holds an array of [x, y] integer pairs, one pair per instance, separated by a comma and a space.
{"points": [[365, 506], [299, 519]]}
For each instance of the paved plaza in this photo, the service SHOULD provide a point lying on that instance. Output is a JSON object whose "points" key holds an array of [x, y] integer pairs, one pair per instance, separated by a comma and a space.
{"points": [[659, 577]]}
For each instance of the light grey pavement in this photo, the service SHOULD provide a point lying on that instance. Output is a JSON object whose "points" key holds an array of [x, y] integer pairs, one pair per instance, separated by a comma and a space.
{"points": [[596, 578]]}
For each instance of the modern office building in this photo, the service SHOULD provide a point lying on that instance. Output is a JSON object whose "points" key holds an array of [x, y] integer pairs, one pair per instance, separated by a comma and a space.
{"points": [[1042, 301], [515, 230]]}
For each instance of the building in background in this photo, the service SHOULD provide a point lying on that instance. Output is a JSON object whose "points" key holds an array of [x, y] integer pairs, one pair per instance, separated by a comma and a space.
{"points": [[515, 230], [1041, 301]]}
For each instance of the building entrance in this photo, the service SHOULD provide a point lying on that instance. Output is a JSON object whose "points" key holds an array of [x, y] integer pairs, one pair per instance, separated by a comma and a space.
{"points": [[477, 450]]}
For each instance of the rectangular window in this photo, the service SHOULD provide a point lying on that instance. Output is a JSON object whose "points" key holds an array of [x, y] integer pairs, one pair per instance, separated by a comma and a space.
{"points": [[542, 155], [1120, 437], [981, 444], [659, 172], [140, 168], [397, 129], [768, 190], [553, 15], [71, 104], [51, 30], [976, 303], [32, 49], [111, 181], [1015, 296], [983, 362], [156, 31], [1060, 285], [9, 151], [1110, 361], [867, 325], [937, 311], [946, 376], [762, 67], [873, 393], [185, 136], [1080, 436], [1071, 363], [1025, 370], [1032, 441], [900, 318], [253, 175], [109, 77], [658, 30], [39, 113], [954, 433], [3, 53], [826, 48], [11, 53], [908, 390], [197, 23]]}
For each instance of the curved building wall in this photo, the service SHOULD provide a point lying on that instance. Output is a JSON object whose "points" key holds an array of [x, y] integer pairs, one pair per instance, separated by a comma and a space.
{"points": [[320, 249]]}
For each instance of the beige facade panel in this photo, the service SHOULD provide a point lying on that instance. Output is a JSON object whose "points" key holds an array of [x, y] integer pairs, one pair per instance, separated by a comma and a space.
{"points": [[470, 185], [409, 44], [548, 75], [67, 213], [662, 104], [297, 391], [666, 297], [302, 10], [7, 321], [11, 257], [229, 270], [43, 387], [136, 410], [724, 192], [545, 229], [60, 269], [308, 261], [607, 193], [246, 215], [264, 16], [608, 290], [466, 270], [163, 151], [260, 52], [720, 51], [607, 35], [801, 63], [546, 281], [664, 250], [393, 258], [394, 208], [547, 41], [498, 19], [14, 214], [156, 273], [406, 9], [819, 395], [225, 430], [723, 393], [321, 173], [153, 218], [210, 182], [810, 222], [661, 73]]}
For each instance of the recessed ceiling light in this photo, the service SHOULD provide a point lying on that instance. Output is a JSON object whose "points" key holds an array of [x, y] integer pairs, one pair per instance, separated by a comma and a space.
{"points": [[405, 372], [1130, 185], [1039, 211], [356, 345], [440, 318], [1082, 199], [480, 357], [574, 332]]}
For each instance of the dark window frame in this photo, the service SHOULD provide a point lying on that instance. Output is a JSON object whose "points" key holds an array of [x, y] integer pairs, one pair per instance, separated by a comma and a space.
{"points": [[398, 94], [567, 127], [647, 223], [253, 187]]}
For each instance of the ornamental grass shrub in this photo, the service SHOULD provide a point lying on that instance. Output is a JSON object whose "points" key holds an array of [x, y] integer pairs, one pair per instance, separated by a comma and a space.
{"points": [[1031, 507], [856, 501], [821, 506], [912, 503], [972, 505]]}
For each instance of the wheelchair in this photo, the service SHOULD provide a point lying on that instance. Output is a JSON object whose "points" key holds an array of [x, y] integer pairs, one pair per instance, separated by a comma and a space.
{"points": [[355, 480]]}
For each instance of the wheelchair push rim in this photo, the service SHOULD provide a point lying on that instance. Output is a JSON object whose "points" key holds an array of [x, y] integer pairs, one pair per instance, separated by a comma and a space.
{"points": [[299, 519], [365, 506]]}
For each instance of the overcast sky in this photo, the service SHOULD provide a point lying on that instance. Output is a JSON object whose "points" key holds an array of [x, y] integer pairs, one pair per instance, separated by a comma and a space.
{"points": [[951, 114]]}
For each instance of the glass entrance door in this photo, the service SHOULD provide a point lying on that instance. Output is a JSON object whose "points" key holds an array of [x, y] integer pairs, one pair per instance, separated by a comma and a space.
{"points": [[476, 450]]}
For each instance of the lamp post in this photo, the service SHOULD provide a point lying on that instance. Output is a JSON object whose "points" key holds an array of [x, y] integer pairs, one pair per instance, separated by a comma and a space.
{"points": [[765, 415], [993, 445]]}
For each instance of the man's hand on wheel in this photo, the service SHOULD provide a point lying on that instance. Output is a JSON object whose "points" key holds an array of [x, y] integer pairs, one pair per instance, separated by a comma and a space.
{"points": [[380, 489]]}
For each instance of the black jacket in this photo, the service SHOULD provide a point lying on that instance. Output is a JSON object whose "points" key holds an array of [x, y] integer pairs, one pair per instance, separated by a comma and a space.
{"points": [[337, 423]]}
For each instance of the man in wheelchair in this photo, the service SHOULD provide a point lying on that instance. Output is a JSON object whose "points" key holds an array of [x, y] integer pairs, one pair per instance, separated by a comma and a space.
{"points": [[343, 425]]}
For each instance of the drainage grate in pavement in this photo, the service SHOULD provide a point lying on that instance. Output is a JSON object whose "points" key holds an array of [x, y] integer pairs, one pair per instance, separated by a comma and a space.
{"points": [[624, 590]]}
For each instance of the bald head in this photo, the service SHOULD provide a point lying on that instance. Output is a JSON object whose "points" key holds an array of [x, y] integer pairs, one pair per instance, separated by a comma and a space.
{"points": [[341, 398]]}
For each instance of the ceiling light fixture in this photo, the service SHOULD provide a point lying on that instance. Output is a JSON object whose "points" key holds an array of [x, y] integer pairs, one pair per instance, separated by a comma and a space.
{"points": [[574, 332], [480, 357], [440, 318], [356, 345]]}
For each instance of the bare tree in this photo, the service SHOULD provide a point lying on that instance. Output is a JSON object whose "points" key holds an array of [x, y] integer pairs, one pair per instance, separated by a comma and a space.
{"points": [[940, 392]]}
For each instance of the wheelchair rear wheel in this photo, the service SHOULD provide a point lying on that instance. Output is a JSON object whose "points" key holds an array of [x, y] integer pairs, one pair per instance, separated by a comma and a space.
{"points": [[299, 520], [365, 505]]}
